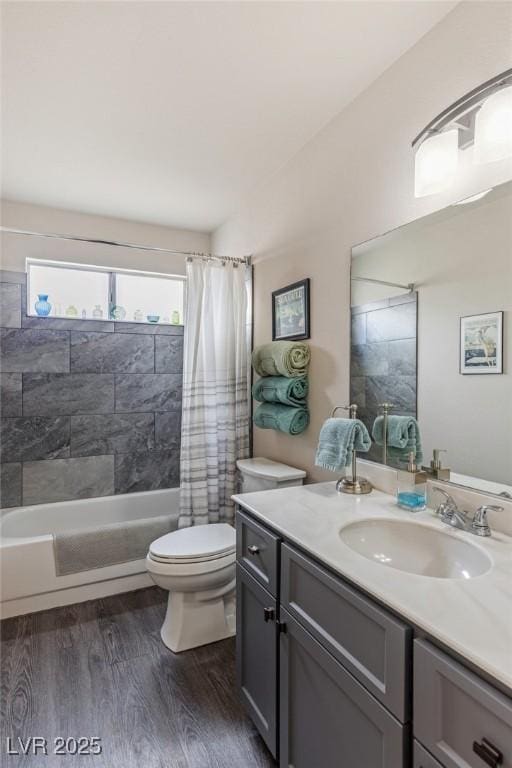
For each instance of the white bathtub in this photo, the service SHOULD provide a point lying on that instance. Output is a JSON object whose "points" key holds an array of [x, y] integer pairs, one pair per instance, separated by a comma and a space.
{"points": [[27, 565]]}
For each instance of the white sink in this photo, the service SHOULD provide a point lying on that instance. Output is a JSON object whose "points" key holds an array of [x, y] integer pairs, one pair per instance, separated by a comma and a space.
{"points": [[416, 548]]}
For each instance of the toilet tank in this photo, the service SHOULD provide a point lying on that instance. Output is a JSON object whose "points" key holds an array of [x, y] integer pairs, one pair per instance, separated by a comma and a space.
{"points": [[261, 474]]}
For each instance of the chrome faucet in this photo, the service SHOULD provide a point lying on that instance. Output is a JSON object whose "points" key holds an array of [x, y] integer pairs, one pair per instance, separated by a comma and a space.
{"points": [[452, 515]]}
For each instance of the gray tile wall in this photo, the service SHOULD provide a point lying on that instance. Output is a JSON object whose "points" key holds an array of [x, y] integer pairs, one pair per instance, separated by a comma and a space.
{"points": [[88, 408], [383, 359]]}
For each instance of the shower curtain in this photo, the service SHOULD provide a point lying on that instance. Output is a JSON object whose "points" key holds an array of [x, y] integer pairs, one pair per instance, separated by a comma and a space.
{"points": [[215, 417]]}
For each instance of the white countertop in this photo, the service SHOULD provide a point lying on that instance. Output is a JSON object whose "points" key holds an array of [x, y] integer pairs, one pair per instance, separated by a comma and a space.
{"points": [[471, 616]]}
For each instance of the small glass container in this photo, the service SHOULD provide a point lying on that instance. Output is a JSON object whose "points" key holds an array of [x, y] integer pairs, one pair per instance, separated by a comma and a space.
{"points": [[411, 493]]}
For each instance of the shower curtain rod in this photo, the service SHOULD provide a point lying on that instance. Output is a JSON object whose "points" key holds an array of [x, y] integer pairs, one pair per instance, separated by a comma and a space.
{"points": [[409, 287], [119, 244]]}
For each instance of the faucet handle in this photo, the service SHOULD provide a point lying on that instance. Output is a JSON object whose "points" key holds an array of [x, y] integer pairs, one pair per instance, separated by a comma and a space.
{"points": [[450, 501], [480, 525]]}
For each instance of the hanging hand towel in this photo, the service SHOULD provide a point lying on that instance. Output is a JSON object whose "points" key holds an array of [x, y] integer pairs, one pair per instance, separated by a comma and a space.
{"points": [[281, 358], [403, 437], [338, 438], [292, 421], [278, 389]]}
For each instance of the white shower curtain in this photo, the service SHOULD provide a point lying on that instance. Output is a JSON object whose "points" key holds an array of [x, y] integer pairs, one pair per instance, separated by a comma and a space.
{"points": [[215, 423]]}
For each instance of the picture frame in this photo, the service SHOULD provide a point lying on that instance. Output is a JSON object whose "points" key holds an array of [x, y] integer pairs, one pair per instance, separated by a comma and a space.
{"points": [[481, 344], [290, 312]]}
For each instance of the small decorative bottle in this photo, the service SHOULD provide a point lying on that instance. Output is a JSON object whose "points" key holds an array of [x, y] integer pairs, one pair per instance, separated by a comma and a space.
{"points": [[175, 317], [138, 316], [97, 312], [84, 314], [71, 311], [42, 305], [411, 492]]}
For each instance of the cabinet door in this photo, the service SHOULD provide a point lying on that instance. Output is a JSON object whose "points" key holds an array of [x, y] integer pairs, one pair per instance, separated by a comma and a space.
{"points": [[327, 719], [373, 645], [256, 654], [463, 721]]}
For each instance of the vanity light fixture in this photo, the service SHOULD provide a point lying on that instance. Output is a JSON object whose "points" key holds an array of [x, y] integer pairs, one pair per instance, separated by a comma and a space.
{"points": [[482, 119]]}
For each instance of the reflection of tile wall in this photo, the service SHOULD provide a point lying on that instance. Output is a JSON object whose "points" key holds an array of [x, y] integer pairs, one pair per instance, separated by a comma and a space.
{"points": [[88, 407], [383, 358]]}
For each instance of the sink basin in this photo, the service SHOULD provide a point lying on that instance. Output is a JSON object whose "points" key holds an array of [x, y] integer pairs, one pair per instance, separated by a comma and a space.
{"points": [[416, 548]]}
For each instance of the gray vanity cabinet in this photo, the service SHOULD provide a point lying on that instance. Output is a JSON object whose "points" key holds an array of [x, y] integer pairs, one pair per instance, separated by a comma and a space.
{"points": [[374, 646], [462, 720], [423, 759], [327, 719], [256, 654]]}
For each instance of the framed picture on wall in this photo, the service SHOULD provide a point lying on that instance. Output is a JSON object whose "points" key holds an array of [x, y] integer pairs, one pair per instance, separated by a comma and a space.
{"points": [[481, 343], [290, 312]]}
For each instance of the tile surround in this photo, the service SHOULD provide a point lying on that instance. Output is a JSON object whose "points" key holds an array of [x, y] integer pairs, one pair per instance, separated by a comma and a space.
{"points": [[88, 407], [383, 359], [62, 479], [111, 353], [24, 351]]}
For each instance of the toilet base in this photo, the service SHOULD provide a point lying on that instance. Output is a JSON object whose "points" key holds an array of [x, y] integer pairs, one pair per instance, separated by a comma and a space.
{"points": [[198, 618]]}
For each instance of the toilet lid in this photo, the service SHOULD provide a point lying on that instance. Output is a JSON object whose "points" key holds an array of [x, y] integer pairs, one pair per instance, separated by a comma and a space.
{"points": [[200, 542]]}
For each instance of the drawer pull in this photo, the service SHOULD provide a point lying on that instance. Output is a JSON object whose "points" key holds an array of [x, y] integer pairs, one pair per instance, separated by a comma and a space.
{"points": [[489, 753], [253, 549], [268, 614]]}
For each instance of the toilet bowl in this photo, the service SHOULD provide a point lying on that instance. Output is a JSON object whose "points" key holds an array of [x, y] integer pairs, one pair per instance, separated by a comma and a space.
{"points": [[197, 567]]}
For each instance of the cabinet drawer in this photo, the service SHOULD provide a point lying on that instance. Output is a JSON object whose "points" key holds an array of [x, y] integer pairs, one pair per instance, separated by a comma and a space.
{"points": [[327, 719], [454, 711], [256, 654], [373, 645], [423, 759], [258, 551]]}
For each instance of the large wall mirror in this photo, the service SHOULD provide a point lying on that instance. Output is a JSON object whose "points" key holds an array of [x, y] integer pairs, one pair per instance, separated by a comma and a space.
{"points": [[431, 307]]}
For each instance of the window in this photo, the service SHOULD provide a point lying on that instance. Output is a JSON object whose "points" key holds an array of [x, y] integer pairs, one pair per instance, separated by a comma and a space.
{"points": [[73, 290]]}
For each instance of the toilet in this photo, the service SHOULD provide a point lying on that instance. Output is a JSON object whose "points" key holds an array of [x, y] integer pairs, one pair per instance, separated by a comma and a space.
{"points": [[260, 474], [197, 567]]}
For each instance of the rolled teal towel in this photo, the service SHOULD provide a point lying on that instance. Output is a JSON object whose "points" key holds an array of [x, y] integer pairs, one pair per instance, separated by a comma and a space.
{"points": [[338, 438], [281, 358], [278, 389], [284, 418], [404, 437]]}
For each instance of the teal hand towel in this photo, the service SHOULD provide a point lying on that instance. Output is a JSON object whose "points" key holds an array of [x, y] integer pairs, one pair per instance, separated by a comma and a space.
{"points": [[338, 438], [278, 389], [284, 418], [281, 358], [404, 437]]}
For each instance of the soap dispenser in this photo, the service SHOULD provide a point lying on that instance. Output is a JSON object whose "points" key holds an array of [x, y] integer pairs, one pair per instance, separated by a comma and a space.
{"points": [[436, 469], [411, 491]]}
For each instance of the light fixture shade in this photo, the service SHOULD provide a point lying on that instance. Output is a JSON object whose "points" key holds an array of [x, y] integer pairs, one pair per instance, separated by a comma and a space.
{"points": [[493, 128], [435, 163]]}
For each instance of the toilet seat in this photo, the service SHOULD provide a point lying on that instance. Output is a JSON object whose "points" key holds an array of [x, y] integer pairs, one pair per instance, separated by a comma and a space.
{"points": [[195, 546]]}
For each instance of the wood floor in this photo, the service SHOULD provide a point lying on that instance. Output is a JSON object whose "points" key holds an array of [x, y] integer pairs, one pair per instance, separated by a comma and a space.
{"points": [[100, 669]]}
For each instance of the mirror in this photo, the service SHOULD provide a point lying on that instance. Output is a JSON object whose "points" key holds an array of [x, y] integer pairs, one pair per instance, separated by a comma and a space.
{"points": [[431, 305]]}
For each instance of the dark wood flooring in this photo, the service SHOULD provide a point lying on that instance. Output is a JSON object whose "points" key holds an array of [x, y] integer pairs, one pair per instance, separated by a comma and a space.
{"points": [[100, 669]]}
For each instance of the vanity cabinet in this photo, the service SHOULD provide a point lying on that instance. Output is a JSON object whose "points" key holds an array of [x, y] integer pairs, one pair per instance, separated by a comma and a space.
{"points": [[327, 719], [327, 674], [256, 654], [462, 720]]}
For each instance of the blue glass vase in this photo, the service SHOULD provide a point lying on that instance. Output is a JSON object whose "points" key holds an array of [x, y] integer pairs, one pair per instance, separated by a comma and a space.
{"points": [[42, 305]]}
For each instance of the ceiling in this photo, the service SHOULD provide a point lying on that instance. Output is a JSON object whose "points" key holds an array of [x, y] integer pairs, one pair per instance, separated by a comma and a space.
{"points": [[169, 112]]}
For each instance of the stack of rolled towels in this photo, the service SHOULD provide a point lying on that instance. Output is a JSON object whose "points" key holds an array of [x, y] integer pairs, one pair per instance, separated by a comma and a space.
{"points": [[283, 387]]}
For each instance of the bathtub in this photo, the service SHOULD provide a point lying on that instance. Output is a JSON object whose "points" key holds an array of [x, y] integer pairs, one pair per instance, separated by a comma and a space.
{"points": [[27, 565]]}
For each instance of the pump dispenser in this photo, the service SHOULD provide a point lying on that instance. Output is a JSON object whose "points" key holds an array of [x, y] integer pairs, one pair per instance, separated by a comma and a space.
{"points": [[412, 487]]}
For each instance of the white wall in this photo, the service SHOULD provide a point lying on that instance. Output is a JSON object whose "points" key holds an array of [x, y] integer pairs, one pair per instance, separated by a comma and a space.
{"points": [[16, 248], [460, 259], [353, 181]]}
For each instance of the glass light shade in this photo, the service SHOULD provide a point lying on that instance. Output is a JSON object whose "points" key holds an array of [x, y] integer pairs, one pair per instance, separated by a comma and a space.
{"points": [[435, 163], [493, 128]]}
